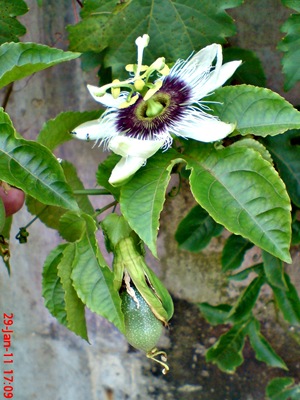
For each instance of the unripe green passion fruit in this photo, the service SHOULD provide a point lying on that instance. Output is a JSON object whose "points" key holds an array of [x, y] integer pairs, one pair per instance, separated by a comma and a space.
{"points": [[142, 328]]}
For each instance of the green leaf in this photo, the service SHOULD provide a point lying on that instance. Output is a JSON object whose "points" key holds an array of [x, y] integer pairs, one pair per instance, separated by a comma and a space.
{"points": [[53, 291], [263, 350], [286, 155], [254, 110], [215, 315], [115, 228], [226, 353], [10, 27], [243, 192], [288, 302], [32, 168], [234, 251], [240, 276], [160, 291], [4, 243], [50, 215], [18, 60], [104, 171], [75, 183], [289, 45], [196, 230], [57, 131], [251, 71], [91, 60], [274, 270], [72, 226], [93, 280], [75, 309], [280, 389], [255, 145], [294, 4], [142, 198], [243, 307], [193, 25]]}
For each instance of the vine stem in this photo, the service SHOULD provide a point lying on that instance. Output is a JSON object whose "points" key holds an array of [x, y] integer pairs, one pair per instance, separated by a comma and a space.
{"points": [[36, 217], [91, 192], [101, 210], [7, 94]]}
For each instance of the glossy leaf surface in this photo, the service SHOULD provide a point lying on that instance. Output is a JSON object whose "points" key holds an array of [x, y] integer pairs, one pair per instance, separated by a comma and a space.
{"points": [[234, 251], [18, 60], [10, 28], [93, 280], [242, 191], [286, 155], [196, 230], [263, 350], [74, 307], [142, 198], [32, 167], [226, 353], [191, 26], [58, 130], [254, 110]]}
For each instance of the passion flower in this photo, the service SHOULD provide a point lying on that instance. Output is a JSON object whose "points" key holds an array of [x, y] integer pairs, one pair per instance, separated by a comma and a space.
{"points": [[143, 117]]}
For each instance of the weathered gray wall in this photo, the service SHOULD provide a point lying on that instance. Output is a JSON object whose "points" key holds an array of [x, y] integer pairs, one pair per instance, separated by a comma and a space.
{"points": [[52, 363]]}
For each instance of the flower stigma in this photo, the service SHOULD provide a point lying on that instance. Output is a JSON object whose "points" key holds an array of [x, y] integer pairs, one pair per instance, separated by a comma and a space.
{"points": [[154, 104]]}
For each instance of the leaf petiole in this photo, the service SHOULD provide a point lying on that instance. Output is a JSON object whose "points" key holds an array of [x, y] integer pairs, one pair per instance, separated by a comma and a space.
{"points": [[101, 210], [91, 192]]}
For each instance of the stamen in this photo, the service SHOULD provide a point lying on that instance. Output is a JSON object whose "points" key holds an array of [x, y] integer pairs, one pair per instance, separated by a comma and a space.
{"points": [[129, 102], [115, 91], [153, 90]]}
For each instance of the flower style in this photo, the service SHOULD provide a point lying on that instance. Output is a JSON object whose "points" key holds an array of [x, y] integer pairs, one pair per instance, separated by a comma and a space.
{"points": [[142, 118]]}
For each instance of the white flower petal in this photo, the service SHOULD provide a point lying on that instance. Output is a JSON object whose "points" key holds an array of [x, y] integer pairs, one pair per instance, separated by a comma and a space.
{"points": [[197, 65], [88, 130], [97, 129], [203, 127], [204, 58], [217, 78], [125, 168], [226, 71], [199, 73], [126, 146], [107, 99]]}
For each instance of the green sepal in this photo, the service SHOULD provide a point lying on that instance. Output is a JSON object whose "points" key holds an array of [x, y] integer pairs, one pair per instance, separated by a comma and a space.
{"points": [[128, 258], [115, 228]]}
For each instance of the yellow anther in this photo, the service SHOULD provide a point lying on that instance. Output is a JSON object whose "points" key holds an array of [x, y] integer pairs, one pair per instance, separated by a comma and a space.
{"points": [[130, 67], [165, 70], [151, 92], [158, 64], [130, 102], [115, 91], [133, 67]]}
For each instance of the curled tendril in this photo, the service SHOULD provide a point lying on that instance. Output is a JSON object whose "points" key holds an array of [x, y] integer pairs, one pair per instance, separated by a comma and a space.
{"points": [[152, 354]]}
